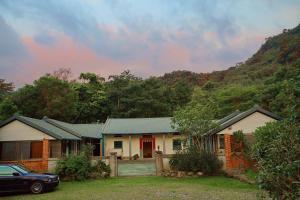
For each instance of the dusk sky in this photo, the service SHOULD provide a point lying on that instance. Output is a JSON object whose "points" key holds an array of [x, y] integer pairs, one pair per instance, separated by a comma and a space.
{"points": [[147, 37]]}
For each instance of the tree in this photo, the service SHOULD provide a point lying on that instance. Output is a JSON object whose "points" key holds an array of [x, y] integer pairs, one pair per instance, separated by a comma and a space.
{"points": [[56, 98], [235, 97], [116, 89], [5, 88], [48, 96], [7, 108], [277, 152], [195, 120], [91, 104], [182, 93], [64, 74]]}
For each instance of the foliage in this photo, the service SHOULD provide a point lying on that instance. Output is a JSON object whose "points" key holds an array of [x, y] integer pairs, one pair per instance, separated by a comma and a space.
{"points": [[7, 108], [79, 167], [74, 167], [5, 88], [195, 120], [91, 104], [277, 152], [270, 78], [101, 169], [240, 145], [196, 160]]}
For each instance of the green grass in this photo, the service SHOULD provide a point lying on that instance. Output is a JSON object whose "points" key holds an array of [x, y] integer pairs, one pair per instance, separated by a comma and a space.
{"points": [[251, 174], [149, 188]]}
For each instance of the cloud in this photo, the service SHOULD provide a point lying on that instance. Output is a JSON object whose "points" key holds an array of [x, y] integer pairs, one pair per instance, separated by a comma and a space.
{"points": [[12, 50], [148, 37], [45, 39]]}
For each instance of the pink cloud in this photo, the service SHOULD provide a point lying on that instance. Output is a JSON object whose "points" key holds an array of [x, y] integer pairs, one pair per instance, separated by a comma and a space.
{"points": [[64, 53]]}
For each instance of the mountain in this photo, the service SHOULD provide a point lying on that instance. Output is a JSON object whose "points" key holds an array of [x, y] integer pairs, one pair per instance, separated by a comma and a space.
{"points": [[277, 51], [270, 78]]}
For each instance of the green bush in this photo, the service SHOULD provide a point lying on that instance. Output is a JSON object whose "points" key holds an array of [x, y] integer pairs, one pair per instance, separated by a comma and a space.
{"points": [[101, 169], [75, 167], [78, 167], [277, 152], [195, 160]]}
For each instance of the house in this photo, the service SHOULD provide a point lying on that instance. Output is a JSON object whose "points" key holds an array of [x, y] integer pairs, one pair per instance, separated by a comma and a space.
{"points": [[220, 141], [39, 143], [140, 137]]}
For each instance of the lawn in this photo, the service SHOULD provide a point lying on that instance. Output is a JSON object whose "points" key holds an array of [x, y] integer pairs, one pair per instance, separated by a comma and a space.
{"points": [[149, 188]]}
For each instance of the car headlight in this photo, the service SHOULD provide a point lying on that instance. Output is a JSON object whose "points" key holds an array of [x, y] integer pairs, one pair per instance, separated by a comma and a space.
{"points": [[49, 180]]}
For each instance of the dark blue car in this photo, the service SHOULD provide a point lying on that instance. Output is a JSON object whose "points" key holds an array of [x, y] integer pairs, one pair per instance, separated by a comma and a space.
{"points": [[15, 178]]}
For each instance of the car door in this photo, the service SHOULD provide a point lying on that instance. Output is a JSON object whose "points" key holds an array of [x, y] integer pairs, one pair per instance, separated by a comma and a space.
{"points": [[8, 181]]}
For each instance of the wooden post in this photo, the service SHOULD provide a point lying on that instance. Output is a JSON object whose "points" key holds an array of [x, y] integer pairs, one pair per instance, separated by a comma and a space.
{"points": [[164, 143], [100, 144], [45, 155], [141, 147], [129, 147]]}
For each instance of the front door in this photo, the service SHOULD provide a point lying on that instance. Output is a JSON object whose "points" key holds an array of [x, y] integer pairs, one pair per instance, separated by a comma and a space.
{"points": [[147, 149]]}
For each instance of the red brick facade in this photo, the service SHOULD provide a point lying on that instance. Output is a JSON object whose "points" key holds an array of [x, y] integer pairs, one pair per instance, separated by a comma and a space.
{"points": [[40, 164], [233, 160]]}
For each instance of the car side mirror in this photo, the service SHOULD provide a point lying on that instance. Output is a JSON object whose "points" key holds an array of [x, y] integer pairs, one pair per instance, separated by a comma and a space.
{"points": [[16, 174]]}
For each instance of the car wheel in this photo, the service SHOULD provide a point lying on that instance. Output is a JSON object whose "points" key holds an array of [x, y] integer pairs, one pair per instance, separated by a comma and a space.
{"points": [[37, 187]]}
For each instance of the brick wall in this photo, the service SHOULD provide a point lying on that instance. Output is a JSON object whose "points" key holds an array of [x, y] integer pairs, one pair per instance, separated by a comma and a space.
{"points": [[233, 160], [40, 164]]}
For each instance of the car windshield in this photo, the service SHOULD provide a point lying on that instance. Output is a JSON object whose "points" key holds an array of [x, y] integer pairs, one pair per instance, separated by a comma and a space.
{"points": [[21, 169]]}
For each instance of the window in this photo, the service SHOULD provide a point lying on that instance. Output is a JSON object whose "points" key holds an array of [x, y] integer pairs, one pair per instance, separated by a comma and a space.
{"points": [[21, 169], [23, 150], [177, 144], [6, 171], [118, 144], [55, 149], [221, 142]]}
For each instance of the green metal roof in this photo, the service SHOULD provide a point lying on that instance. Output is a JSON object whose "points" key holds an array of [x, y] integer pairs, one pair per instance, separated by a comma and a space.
{"points": [[81, 130], [42, 126], [138, 125]]}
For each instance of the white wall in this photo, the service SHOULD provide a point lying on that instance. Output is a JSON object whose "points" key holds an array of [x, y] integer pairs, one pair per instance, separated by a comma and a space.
{"points": [[18, 131], [249, 124], [135, 143]]}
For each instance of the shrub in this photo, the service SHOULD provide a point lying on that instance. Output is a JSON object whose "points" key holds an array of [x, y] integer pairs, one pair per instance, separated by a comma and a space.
{"points": [[101, 170], [195, 160], [277, 152], [75, 167]]}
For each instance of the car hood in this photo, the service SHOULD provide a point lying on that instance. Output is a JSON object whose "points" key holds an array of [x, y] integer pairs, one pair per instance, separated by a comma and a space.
{"points": [[45, 175]]}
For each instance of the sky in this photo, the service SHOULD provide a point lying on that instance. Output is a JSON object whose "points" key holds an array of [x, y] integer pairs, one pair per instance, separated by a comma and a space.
{"points": [[147, 37]]}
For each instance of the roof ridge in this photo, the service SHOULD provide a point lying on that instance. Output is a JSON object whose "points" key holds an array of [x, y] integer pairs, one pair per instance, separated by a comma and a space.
{"points": [[140, 118], [52, 122]]}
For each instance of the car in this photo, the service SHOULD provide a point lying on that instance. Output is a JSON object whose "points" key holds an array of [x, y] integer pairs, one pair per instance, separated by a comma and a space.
{"points": [[16, 178]]}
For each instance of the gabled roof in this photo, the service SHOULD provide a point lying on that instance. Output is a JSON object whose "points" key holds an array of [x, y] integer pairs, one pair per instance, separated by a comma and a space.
{"points": [[138, 125], [238, 116], [80, 130], [42, 126]]}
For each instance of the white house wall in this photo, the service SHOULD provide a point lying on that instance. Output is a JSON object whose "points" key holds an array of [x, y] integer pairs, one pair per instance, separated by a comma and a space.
{"points": [[18, 131], [248, 124]]}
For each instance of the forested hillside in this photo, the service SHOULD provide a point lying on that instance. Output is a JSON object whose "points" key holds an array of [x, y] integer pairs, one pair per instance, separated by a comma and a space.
{"points": [[270, 78]]}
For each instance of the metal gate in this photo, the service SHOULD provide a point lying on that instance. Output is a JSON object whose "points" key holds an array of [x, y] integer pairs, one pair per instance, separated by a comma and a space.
{"points": [[143, 167]]}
